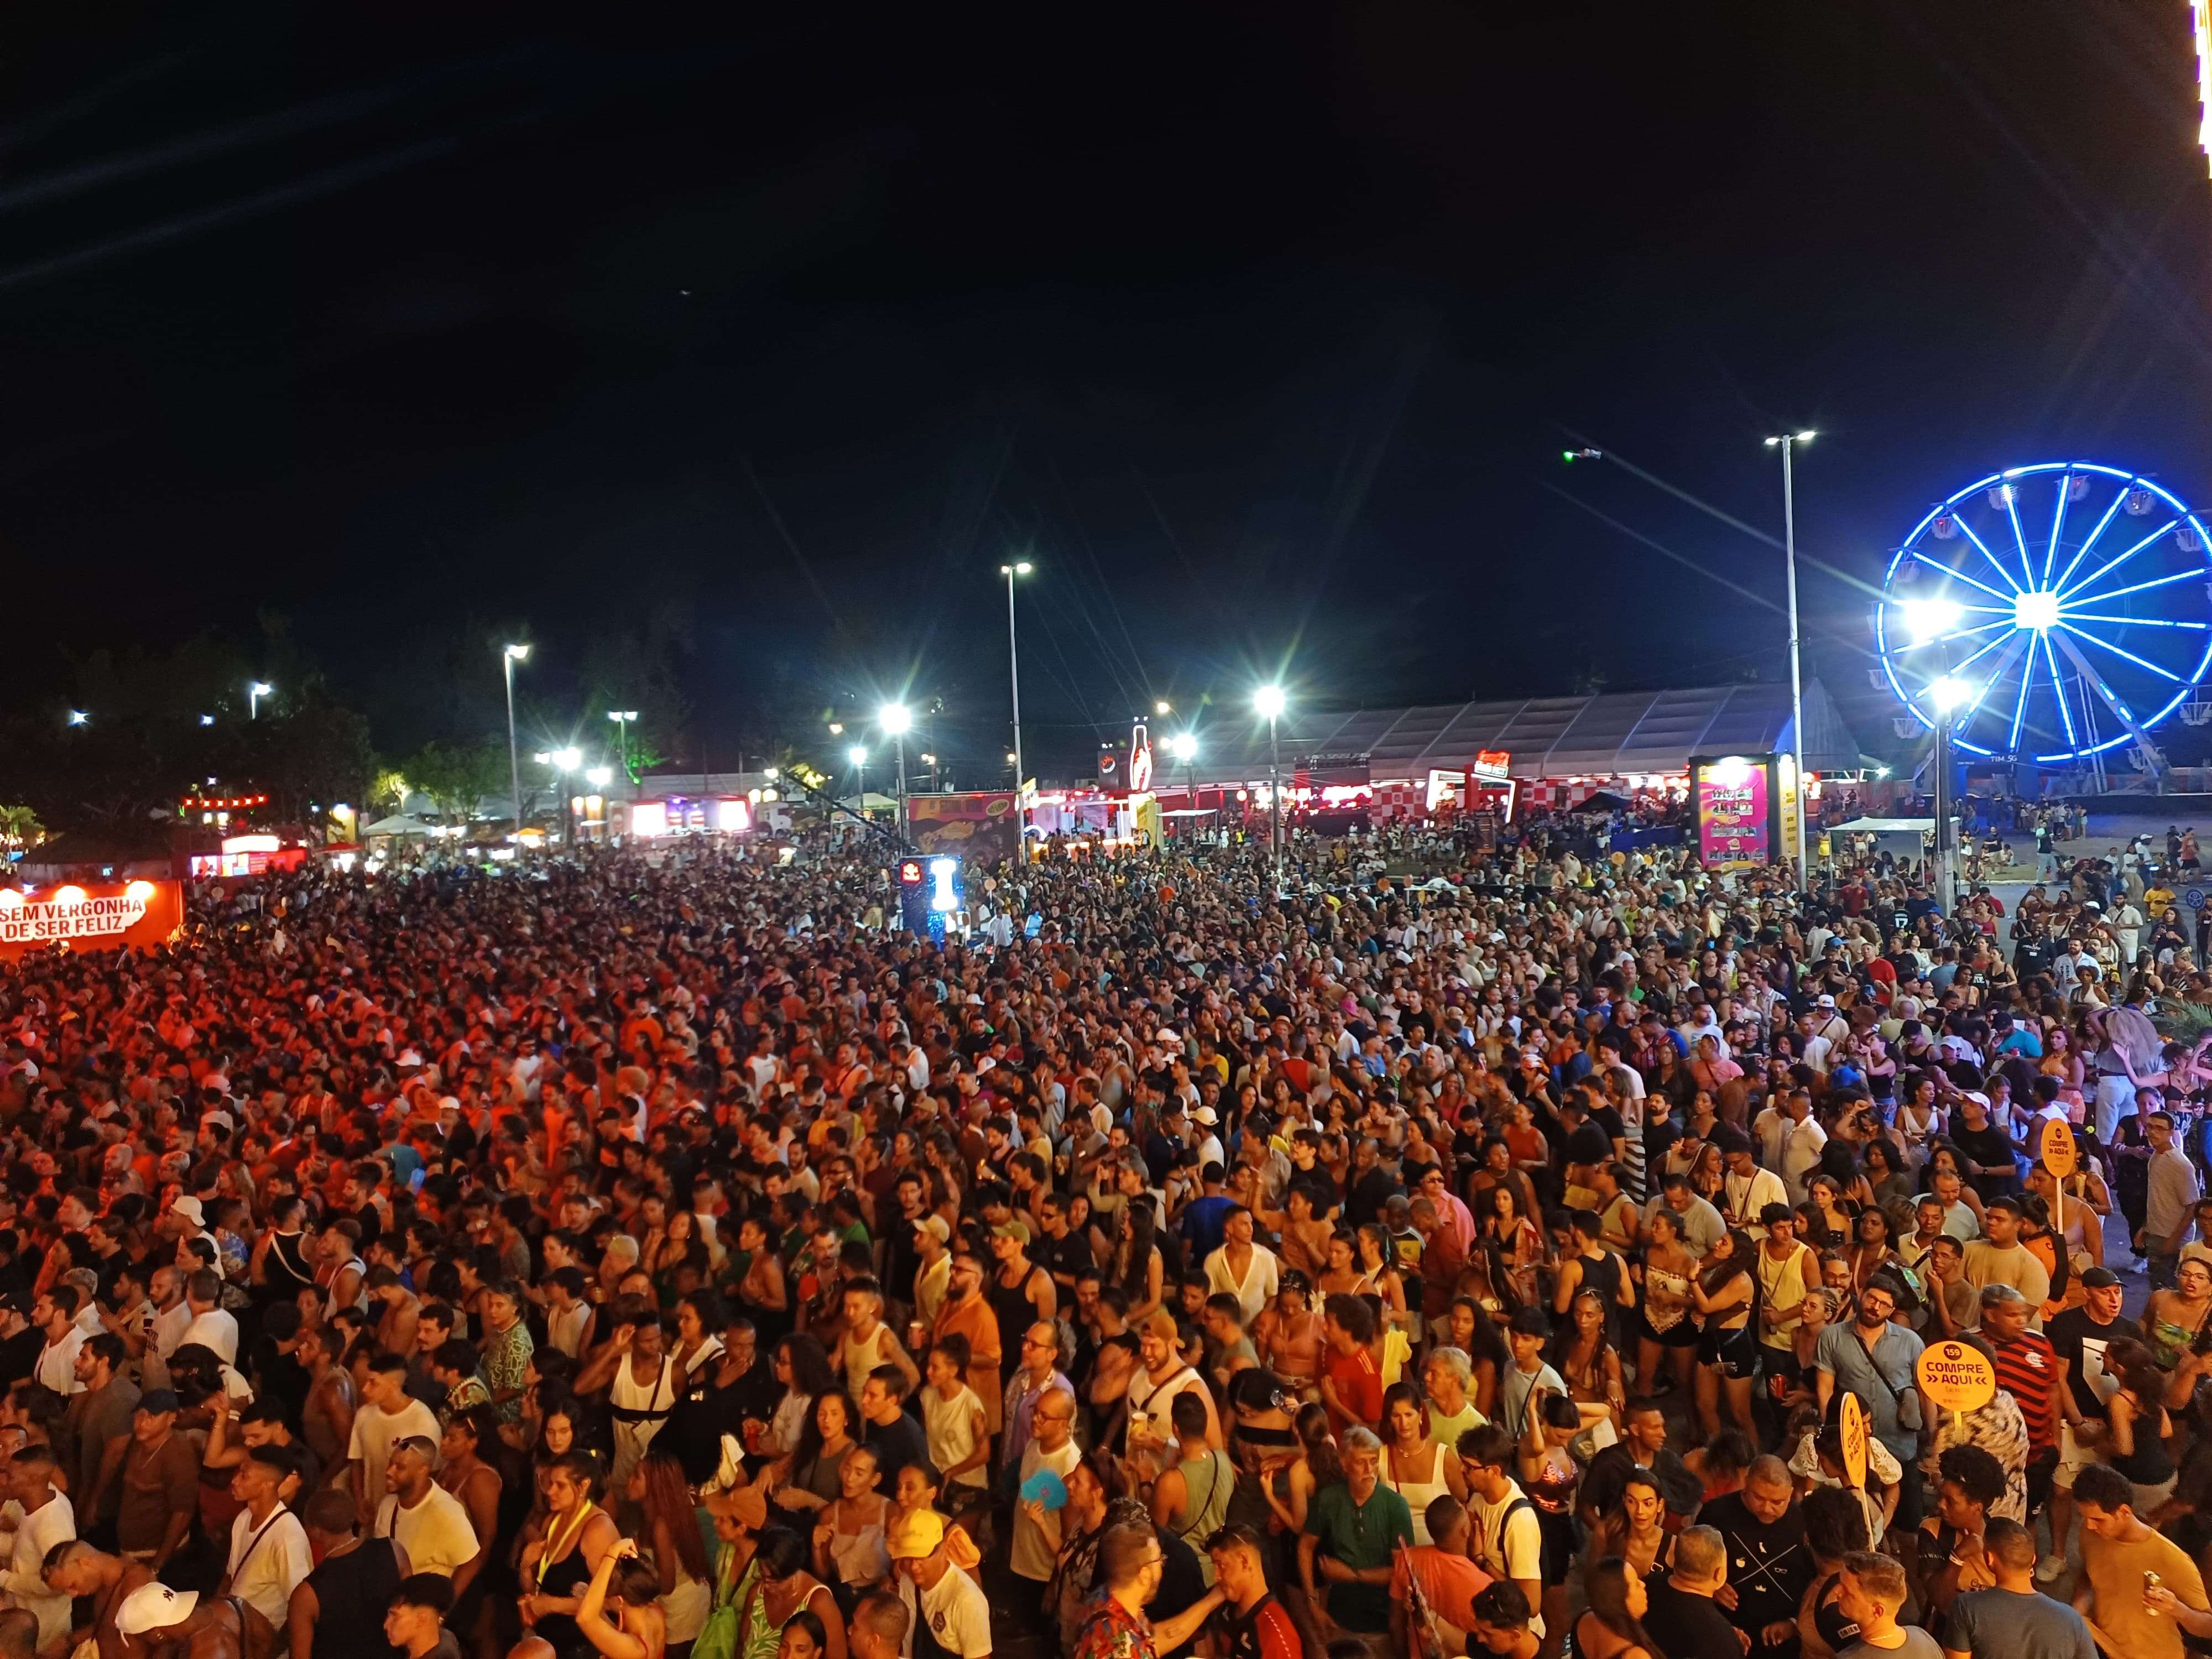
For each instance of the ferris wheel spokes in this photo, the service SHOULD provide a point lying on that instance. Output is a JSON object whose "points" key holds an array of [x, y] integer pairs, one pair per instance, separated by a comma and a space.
{"points": [[2075, 563], [2115, 564], [2020, 708], [1957, 574], [2122, 592], [1996, 563], [2012, 511], [2058, 525], [2091, 680], [2014, 644], [2138, 661], [2058, 690]]}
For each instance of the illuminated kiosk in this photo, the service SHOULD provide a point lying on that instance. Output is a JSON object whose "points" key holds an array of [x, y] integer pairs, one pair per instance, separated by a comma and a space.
{"points": [[1746, 809]]}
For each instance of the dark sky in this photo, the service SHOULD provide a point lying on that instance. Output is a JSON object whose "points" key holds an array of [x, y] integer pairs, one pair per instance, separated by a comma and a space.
{"points": [[1259, 327]]}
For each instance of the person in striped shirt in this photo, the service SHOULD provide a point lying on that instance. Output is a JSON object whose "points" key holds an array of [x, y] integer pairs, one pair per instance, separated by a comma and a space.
{"points": [[2027, 1369]]}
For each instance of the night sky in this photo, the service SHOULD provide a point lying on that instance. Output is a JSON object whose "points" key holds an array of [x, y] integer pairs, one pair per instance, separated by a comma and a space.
{"points": [[1259, 328]]}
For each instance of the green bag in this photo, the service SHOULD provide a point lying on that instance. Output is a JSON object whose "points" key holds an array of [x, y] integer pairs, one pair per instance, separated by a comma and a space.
{"points": [[719, 1637]]}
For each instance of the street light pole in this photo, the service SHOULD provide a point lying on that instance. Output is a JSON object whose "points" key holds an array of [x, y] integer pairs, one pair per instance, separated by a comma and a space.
{"points": [[254, 693], [1946, 694], [1787, 443], [511, 655], [1268, 700], [1184, 747], [897, 719], [1014, 660]]}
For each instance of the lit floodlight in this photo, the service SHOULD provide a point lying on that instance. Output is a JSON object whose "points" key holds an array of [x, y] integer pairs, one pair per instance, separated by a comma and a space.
{"points": [[1268, 700], [1948, 693], [896, 718], [857, 754], [1184, 746], [1928, 620]]}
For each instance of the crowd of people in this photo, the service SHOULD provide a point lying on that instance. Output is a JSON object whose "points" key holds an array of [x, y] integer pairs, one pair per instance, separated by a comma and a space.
{"points": [[633, 1254]]}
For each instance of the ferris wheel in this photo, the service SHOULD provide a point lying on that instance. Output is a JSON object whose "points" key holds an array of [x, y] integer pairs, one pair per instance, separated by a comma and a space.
{"points": [[2049, 613]]}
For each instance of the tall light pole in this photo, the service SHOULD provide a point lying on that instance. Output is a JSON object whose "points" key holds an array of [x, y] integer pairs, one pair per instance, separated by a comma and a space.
{"points": [[1268, 700], [1183, 745], [1947, 694], [1787, 443], [622, 717], [1013, 659], [859, 757], [509, 656], [254, 693], [897, 720]]}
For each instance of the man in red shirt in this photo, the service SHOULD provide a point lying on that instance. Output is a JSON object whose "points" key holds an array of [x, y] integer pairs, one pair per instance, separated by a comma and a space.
{"points": [[1259, 1628], [1350, 1381]]}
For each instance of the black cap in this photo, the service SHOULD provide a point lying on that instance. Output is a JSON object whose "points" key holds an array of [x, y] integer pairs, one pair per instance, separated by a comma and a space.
{"points": [[155, 1401], [2099, 1279], [1730, 1138]]}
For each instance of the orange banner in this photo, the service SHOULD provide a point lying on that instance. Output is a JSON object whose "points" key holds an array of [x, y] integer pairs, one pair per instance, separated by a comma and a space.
{"points": [[100, 918]]}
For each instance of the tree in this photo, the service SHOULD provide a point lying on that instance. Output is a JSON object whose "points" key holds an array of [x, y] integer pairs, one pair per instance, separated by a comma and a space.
{"points": [[636, 669], [20, 830], [456, 776]]}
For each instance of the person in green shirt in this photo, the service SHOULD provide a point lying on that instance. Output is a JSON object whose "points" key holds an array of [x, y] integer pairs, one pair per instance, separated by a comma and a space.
{"points": [[1352, 1530]]}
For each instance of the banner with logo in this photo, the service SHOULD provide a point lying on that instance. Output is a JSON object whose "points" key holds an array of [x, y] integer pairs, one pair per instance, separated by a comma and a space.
{"points": [[983, 826], [99, 918]]}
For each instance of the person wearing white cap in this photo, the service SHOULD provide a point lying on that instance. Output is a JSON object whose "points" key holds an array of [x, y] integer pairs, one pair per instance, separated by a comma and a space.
{"points": [[220, 1628]]}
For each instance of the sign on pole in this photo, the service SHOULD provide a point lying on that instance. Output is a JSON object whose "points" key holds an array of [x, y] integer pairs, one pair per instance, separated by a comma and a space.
{"points": [[1851, 1419]]}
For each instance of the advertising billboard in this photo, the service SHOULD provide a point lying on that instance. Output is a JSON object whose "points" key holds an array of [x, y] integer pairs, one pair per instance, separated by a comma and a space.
{"points": [[99, 918], [1735, 829], [981, 827]]}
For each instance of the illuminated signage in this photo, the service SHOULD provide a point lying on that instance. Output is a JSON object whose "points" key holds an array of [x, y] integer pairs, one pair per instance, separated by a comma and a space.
{"points": [[943, 873], [1733, 825], [910, 873], [140, 912], [1494, 764], [1140, 759]]}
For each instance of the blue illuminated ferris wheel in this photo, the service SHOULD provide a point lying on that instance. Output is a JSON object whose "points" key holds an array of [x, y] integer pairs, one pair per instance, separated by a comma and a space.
{"points": [[2050, 613]]}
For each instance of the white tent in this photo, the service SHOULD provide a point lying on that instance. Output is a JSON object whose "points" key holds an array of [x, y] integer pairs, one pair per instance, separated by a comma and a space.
{"points": [[399, 824]]}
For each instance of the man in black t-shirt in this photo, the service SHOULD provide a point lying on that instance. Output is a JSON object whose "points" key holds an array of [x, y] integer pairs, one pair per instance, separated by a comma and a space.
{"points": [[1682, 1617], [1762, 1527], [2079, 1337]]}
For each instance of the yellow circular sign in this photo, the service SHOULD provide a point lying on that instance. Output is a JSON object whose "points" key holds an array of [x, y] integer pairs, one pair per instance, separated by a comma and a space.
{"points": [[1955, 1376], [1851, 1419], [2059, 1154]]}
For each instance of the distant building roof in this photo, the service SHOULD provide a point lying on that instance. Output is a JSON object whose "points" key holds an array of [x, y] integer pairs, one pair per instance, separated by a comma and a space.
{"points": [[1607, 735]]}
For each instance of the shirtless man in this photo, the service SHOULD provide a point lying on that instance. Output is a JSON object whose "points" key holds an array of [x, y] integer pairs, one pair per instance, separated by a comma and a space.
{"points": [[185, 1625], [78, 1569]]}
